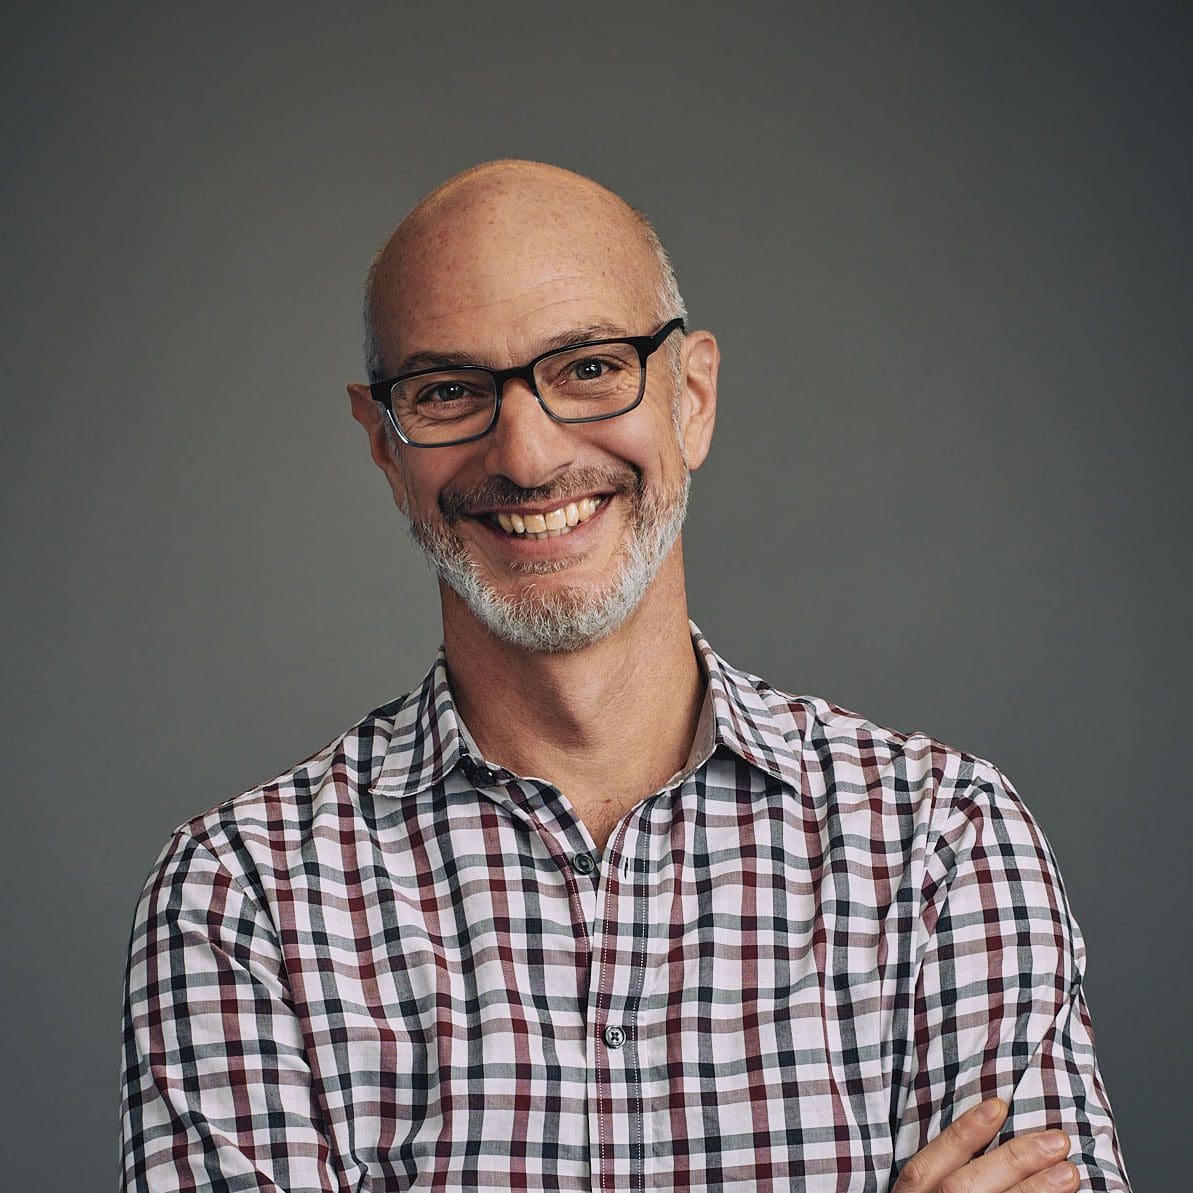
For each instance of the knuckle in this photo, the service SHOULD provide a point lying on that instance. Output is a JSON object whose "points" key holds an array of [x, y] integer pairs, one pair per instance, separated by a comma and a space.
{"points": [[957, 1182], [1023, 1153], [1057, 1179], [969, 1131], [916, 1176]]}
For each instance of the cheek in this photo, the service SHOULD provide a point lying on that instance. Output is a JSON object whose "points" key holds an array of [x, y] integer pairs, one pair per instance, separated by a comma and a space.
{"points": [[646, 438], [421, 488]]}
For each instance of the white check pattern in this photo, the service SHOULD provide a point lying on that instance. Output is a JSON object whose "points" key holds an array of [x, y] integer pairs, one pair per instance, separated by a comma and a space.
{"points": [[400, 967]]}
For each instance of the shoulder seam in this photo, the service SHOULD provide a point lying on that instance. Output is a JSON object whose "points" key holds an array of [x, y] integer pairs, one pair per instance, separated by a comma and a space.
{"points": [[184, 832]]}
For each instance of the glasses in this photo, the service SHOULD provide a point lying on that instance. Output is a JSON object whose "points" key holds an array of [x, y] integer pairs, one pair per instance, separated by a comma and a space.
{"points": [[583, 383]]}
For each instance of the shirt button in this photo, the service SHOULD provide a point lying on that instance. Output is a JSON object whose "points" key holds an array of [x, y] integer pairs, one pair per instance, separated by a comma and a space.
{"points": [[583, 863], [486, 774], [614, 1037]]}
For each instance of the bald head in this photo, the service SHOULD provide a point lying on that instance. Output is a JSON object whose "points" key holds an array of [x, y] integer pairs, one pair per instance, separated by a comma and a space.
{"points": [[503, 229]]}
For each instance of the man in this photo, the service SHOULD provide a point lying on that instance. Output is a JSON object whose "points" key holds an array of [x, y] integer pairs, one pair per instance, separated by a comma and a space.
{"points": [[591, 909]]}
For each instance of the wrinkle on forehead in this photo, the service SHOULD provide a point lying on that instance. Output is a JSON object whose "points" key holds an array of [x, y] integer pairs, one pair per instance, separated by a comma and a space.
{"points": [[570, 231]]}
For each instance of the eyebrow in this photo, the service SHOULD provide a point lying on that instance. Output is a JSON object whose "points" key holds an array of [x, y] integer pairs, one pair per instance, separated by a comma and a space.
{"points": [[435, 359]]}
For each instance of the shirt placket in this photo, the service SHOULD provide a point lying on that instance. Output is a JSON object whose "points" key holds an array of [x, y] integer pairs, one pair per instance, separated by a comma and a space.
{"points": [[609, 909], [620, 938]]}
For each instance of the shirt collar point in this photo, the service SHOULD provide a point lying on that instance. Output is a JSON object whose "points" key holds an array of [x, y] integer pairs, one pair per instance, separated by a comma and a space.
{"points": [[427, 739], [745, 720]]}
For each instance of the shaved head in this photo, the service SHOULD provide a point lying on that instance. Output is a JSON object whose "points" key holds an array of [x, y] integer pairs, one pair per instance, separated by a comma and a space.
{"points": [[529, 207]]}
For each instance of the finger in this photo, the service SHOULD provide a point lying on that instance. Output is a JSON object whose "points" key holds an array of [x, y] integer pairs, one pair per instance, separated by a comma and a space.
{"points": [[1012, 1163], [1060, 1178], [958, 1143]]}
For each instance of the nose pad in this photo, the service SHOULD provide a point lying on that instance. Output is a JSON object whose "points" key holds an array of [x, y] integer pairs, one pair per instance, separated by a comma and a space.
{"points": [[527, 445]]}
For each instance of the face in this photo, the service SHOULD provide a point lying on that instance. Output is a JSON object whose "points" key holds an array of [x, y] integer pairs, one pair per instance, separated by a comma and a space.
{"points": [[548, 534]]}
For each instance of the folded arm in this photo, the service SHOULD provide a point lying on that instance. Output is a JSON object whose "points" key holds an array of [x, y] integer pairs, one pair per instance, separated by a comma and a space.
{"points": [[216, 1090], [999, 1009]]}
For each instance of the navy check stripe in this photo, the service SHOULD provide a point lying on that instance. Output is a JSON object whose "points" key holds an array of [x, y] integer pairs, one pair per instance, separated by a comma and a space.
{"points": [[790, 968]]}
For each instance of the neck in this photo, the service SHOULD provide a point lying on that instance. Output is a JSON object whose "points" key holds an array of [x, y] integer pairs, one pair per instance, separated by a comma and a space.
{"points": [[588, 720]]}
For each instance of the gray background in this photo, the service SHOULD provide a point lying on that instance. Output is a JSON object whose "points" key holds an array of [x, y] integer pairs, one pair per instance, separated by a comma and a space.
{"points": [[947, 250]]}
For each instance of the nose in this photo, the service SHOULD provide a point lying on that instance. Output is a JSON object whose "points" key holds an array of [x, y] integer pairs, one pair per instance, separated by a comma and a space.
{"points": [[527, 445]]}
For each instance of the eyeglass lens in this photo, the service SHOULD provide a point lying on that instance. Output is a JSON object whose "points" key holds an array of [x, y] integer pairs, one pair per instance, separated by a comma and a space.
{"points": [[574, 383]]}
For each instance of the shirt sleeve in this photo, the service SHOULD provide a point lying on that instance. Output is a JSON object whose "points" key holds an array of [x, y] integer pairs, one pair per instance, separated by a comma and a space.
{"points": [[998, 1007], [216, 1089]]}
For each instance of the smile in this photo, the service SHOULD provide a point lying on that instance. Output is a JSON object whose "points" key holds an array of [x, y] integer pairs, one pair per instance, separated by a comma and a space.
{"points": [[550, 524]]}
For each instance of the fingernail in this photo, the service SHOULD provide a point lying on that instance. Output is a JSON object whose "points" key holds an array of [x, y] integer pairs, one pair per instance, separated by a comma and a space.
{"points": [[988, 1112], [1061, 1177], [1054, 1143]]}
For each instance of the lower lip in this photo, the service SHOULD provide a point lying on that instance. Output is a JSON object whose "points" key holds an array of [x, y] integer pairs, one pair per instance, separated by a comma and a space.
{"points": [[524, 544]]}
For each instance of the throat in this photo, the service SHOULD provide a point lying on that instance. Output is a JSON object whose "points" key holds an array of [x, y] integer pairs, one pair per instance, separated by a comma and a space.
{"points": [[606, 741], [613, 720]]}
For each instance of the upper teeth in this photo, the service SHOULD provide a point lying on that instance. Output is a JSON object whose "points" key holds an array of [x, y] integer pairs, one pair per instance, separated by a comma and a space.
{"points": [[548, 525]]}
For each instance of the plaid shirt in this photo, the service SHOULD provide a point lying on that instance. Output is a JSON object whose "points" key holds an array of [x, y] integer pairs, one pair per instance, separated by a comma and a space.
{"points": [[399, 966]]}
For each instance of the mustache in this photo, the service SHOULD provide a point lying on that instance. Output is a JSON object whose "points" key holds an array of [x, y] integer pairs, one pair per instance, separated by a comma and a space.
{"points": [[500, 490]]}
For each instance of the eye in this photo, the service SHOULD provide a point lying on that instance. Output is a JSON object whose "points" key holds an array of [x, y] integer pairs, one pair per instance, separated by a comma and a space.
{"points": [[589, 369], [444, 391]]}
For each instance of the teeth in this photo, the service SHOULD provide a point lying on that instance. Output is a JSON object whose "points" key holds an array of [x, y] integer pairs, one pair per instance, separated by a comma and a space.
{"points": [[550, 525]]}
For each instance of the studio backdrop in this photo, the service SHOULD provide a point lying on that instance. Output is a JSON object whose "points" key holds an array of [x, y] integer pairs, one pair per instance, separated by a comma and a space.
{"points": [[947, 252]]}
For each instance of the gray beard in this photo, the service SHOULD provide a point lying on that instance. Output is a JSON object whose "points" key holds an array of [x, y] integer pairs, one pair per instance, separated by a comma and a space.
{"points": [[563, 618]]}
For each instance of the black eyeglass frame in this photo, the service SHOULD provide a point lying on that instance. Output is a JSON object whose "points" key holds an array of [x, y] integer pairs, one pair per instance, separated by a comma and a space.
{"points": [[645, 346]]}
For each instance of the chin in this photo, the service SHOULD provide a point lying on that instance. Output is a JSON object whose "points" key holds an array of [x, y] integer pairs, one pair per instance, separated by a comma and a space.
{"points": [[557, 618], [551, 619]]}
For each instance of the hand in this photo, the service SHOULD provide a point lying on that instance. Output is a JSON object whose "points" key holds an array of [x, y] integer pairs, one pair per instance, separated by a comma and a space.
{"points": [[1032, 1163]]}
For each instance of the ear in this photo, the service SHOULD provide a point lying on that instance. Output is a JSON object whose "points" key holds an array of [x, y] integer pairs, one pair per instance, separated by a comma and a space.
{"points": [[383, 443], [698, 396]]}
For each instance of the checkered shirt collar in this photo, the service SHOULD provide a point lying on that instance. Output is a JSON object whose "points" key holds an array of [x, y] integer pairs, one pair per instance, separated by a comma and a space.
{"points": [[428, 740]]}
